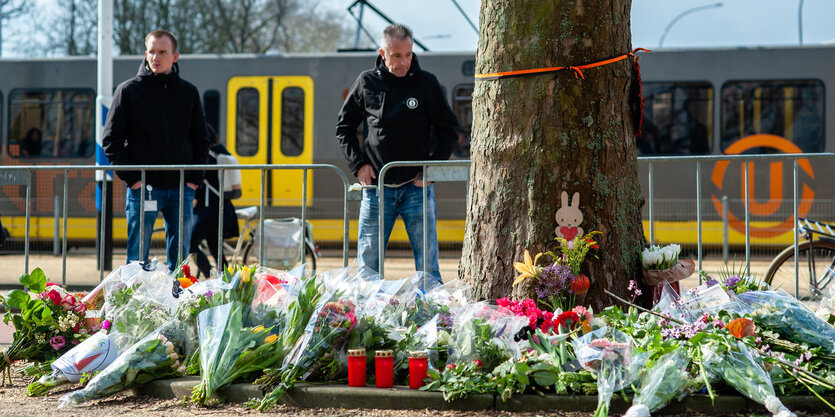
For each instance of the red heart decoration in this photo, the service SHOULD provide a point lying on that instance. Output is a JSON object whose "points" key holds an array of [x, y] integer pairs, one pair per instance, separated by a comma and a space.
{"points": [[568, 233]]}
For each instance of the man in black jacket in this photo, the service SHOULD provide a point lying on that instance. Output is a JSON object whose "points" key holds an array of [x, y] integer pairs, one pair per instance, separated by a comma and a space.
{"points": [[405, 118], [156, 119]]}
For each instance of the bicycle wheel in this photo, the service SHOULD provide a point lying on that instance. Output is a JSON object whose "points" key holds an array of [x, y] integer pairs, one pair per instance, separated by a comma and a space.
{"points": [[250, 256], [812, 277], [309, 259]]}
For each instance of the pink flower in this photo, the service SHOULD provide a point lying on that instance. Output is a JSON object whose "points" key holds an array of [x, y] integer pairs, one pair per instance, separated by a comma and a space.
{"points": [[532, 319], [54, 296], [49, 284], [517, 310], [450, 366], [105, 325], [68, 302], [80, 309], [529, 304], [583, 312], [478, 363], [503, 302], [547, 315], [58, 342]]}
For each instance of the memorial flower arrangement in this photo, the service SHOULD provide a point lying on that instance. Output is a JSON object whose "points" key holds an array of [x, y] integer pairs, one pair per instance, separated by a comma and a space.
{"points": [[294, 330], [49, 321], [560, 285]]}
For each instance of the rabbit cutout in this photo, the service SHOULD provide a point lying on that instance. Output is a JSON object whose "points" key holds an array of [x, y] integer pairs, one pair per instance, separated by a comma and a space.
{"points": [[569, 217]]}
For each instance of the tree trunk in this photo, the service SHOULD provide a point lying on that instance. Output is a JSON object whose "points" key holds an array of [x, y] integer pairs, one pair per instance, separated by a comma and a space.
{"points": [[536, 136]]}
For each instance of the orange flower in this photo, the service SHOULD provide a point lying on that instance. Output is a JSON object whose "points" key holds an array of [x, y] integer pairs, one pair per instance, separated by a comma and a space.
{"points": [[580, 285], [741, 327], [185, 282]]}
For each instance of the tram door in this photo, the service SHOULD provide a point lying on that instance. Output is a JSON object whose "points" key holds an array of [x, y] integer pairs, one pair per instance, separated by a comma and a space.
{"points": [[270, 121]]}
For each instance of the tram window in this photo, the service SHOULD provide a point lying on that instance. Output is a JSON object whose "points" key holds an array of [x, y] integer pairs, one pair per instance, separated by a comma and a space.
{"points": [[211, 106], [292, 121], [246, 126], [51, 123], [792, 109], [462, 105], [677, 119]]}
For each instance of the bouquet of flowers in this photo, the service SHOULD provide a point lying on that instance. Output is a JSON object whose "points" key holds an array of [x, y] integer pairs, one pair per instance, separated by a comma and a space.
{"points": [[663, 380], [608, 353], [741, 368], [661, 264], [659, 258], [780, 312], [561, 283], [486, 333], [326, 333], [91, 355], [155, 356], [48, 324], [229, 350]]}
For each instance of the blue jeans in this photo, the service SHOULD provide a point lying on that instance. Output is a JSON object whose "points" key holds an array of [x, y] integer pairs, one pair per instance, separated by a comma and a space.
{"points": [[406, 201], [168, 202]]}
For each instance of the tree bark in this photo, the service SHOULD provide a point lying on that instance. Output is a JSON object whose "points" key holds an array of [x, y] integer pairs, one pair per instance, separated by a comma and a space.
{"points": [[536, 136]]}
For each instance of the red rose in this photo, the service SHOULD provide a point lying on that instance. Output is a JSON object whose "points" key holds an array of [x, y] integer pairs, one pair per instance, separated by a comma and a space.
{"points": [[54, 296]]}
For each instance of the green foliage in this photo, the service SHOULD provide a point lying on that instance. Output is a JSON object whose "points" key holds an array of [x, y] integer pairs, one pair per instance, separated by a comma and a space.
{"points": [[34, 281]]}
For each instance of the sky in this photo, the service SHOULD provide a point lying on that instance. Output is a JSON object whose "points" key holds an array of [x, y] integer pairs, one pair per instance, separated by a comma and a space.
{"points": [[441, 26]]}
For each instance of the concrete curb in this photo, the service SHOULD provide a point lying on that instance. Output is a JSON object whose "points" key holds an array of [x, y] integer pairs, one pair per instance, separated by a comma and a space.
{"points": [[403, 398]]}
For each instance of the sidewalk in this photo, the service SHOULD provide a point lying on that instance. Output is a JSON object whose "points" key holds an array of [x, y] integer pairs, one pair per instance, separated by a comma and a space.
{"points": [[403, 398]]}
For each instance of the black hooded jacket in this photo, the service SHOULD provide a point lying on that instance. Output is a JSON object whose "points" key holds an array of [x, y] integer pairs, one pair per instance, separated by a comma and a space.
{"points": [[156, 119], [405, 119]]}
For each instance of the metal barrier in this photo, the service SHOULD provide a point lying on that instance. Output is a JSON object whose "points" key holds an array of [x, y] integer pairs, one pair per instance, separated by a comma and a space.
{"points": [[22, 175], [437, 171], [745, 160]]}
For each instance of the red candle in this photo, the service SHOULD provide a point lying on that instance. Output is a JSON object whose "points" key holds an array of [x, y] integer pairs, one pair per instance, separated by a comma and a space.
{"points": [[418, 364], [356, 367], [384, 368]]}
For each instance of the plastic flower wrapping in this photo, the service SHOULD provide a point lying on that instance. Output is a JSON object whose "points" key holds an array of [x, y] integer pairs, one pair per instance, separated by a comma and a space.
{"points": [[610, 354]]}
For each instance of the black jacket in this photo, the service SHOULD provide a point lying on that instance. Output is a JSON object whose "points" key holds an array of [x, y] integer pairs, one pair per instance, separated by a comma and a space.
{"points": [[156, 119], [405, 119]]}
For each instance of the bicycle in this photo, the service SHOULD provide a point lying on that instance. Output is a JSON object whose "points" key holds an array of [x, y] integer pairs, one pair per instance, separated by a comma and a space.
{"points": [[244, 250], [815, 262], [241, 249]]}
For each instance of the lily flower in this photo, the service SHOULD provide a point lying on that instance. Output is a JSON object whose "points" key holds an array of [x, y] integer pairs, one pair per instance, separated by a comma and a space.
{"points": [[528, 269]]}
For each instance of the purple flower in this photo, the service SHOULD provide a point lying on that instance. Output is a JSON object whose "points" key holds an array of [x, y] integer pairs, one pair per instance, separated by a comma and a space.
{"points": [[553, 281], [731, 282], [105, 325], [208, 294], [711, 282], [58, 342]]}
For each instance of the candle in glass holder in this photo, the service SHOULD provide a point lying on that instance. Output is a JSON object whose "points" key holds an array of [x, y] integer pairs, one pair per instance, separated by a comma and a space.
{"points": [[356, 367], [418, 365], [384, 368]]}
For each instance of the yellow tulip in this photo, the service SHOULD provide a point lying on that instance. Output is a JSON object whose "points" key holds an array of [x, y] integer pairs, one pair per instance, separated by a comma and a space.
{"points": [[271, 338], [527, 269], [245, 274], [258, 329]]}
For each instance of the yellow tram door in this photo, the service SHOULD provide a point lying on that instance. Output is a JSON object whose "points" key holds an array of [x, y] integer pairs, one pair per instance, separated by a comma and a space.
{"points": [[270, 121]]}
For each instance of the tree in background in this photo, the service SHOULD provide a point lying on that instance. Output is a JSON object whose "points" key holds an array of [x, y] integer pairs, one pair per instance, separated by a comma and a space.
{"points": [[536, 136], [201, 26], [9, 9]]}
